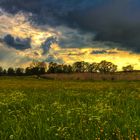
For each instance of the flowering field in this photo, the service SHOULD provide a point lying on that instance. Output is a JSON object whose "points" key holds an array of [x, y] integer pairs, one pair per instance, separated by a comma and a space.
{"points": [[38, 109]]}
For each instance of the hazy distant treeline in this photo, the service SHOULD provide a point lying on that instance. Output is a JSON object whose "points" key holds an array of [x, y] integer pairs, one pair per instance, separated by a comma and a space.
{"points": [[39, 68]]}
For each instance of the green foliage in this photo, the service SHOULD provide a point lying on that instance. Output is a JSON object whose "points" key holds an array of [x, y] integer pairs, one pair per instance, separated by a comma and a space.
{"points": [[36, 68], [59, 68], [40, 68], [93, 67], [11, 71], [32, 109], [1, 70], [105, 67], [19, 71], [128, 68], [81, 66]]}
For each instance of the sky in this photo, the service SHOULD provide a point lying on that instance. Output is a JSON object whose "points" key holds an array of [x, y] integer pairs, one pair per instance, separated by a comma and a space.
{"points": [[65, 31]]}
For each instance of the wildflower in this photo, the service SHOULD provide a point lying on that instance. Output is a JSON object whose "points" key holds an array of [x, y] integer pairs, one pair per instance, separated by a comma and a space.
{"points": [[11, 137], [68, 112], [59, 129], [90, 119], [101, 130]]}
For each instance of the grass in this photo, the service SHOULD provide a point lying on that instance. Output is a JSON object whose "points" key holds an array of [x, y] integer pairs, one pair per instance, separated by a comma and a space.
{"points": [[38, 109]]}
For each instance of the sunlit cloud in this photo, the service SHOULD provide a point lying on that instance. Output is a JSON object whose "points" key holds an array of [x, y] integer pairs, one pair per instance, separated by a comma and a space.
{"points": [[61, 44]]}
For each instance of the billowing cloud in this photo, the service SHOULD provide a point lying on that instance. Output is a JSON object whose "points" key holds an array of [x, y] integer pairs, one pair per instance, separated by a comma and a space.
{"points": [[52, 58], [9, 57], [17, 43], [99, 52], [115, 21], [103, 51], [67, 31], [111, 20], [47, 44]]}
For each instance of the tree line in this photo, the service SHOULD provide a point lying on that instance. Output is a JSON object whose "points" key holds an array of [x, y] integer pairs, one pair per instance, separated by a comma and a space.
{"points": [[39, 68], [82, 66]]}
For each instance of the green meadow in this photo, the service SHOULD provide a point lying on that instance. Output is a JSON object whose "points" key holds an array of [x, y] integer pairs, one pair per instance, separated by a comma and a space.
{"points": [[39, 109]]}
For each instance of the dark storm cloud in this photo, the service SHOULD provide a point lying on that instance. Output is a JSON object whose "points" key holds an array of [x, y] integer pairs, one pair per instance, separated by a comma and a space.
{"points": [[75, 39], [47, 44], [99, 52], [52, 58], [17, 43], [103, 52], [115, 21], [10, 58], [50, 11]]}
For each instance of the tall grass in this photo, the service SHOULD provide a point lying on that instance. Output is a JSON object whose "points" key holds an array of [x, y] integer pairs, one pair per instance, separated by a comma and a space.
{"points": [[33, 109]]}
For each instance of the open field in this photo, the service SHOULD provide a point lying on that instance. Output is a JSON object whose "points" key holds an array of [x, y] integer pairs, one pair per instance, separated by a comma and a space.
{"points": [[95, 76], [39, 109]]}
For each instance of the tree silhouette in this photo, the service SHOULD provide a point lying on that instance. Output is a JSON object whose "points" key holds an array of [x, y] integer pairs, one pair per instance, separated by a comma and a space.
{"points": [[36, 68], [19, 71], [4, 72], [67, 68], [106, 67], [28, 71], [59, 68], [52, 67], [1, 71], [128, 68], [11, 71], [93, 67], [80, 66]]}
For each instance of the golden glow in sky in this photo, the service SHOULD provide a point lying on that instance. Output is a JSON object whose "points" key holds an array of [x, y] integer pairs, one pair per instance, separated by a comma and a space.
{"points": [[19, 26]]}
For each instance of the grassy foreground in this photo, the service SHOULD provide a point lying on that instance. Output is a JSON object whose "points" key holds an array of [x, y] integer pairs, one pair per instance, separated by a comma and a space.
{"points": [[37, 109]]}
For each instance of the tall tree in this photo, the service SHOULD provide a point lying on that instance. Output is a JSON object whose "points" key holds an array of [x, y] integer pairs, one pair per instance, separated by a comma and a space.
{"points": [[28, 71], [37, 68], [4, 72], [19, 71], [106, 67], [80, 66], [52, 67], [67, 68], [93, 67], [11, 71]]}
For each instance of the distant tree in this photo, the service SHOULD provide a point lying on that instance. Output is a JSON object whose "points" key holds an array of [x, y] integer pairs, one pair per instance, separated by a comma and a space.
{"points": [[85, 66], [80, 66], [77, 67], [37, 68], [93, 67], [59, 69], [38, 64], [128, 68], [67, 68], [28, 71], [106, 67], [42, 70], [35, 71], [11, 71], [4, 72], [52, 67], [1, 71], [19, 71]]}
